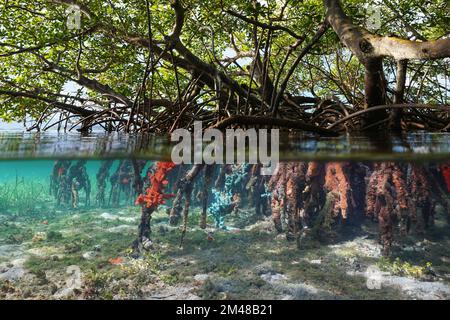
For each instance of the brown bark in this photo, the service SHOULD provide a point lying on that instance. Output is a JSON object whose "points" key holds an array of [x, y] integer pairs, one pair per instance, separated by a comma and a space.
{"points": [[204, 194], [270, 121], [337, 181], [277, 186], [396, 118], [184, 189], [367, 45], [371, 49]]}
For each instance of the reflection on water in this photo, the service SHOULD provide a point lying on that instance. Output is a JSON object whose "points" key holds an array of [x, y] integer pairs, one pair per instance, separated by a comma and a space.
{"points": [[71, 145], [411, 147]]}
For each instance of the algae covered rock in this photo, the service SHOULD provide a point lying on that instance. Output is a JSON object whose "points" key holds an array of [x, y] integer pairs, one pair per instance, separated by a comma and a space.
{"points": [[14, 273], [54, 236], [39, 237], [90, 255]]}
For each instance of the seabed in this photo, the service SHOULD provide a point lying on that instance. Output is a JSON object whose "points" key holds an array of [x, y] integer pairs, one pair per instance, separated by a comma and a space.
{"points": [[39, 253]]}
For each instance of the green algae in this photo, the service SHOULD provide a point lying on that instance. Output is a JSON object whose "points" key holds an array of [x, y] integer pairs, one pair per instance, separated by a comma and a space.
{"points": [[234, 262]]}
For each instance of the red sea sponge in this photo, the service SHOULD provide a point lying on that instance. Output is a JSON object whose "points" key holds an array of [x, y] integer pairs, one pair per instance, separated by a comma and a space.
{"points": [[116, 261], [445, 169], [154, 194]]}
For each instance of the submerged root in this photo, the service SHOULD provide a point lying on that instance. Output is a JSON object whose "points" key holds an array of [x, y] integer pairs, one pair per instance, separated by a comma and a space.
{"points": [[306, 193], [149, 201], [337, 182], [102, 175], [307, 198], [395, 196], [204, 195], [184, 186]]}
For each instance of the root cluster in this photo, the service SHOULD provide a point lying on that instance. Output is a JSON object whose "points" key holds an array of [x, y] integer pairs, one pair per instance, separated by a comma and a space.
{"points": [[311, 198], [304, 199]]}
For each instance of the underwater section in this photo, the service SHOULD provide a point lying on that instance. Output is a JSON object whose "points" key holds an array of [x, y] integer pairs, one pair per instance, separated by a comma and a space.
{"points": [[135, 228]]}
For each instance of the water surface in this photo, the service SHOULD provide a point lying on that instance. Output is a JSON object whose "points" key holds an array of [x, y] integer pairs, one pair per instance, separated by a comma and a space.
{"points": [[412, 147]]}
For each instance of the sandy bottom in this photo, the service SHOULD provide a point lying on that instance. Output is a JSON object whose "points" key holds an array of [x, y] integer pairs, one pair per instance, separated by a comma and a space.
{"points": [[85, 255]]}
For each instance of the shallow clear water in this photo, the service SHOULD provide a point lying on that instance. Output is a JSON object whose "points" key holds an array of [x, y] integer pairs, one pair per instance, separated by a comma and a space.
{"points": [[55, 244]]}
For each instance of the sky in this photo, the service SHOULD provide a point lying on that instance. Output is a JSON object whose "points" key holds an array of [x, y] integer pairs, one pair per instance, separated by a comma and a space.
{"points": [[14, 126], [71, 87]]}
